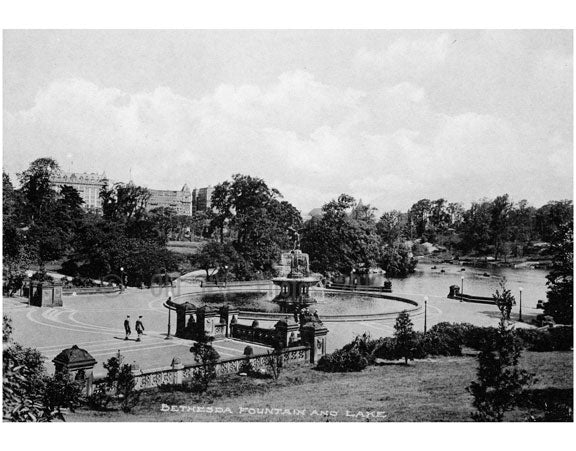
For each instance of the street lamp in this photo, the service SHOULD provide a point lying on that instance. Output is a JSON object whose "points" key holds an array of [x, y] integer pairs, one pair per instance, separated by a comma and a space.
{"points": [[121, 278], [461, 288], [225, 275], [520, 315], [168, 336], [351, 277], [425, 312]]}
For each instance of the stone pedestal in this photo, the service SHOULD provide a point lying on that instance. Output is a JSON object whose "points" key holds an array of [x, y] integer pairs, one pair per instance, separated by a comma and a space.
{"points": [[313, 334], [228, 316], [454, 291], [178, 368], [288, 332], [208, 323], [79, 365], [185, 320], [45, 294]]}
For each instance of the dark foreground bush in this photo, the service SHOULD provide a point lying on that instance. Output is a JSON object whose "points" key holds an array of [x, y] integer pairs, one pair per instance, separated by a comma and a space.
{"points": [[342, 361], [546, 340]]}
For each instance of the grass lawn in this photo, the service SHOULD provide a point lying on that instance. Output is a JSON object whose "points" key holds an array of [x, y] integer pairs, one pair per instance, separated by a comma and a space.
{"points": [[426, 390]]}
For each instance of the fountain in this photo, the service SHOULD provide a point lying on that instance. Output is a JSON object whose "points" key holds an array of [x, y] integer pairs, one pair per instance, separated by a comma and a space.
{"points": [[294, 280]]}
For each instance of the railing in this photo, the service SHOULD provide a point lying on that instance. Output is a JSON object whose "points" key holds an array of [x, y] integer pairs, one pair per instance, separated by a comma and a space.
{"points": [[89, 290], [178, 374], [472, 298], [231, 284], [254, 334], [369, 288]]}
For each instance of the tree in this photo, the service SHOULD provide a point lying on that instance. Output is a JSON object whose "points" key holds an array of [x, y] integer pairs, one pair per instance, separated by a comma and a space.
{"points": [[255, 218], [418, 217], [339, 242], [500, 381], [561, 278], [500, 210], [504, 300], [120, 381], [390, 227], [123, 202], [215, 256], [405, 336], [475, 228], [36, 190], [207, 357], [397, 261], [551, 216]]}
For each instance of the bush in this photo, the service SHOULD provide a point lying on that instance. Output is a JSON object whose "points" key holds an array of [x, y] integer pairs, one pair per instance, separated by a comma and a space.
{"points": [[341, 361], [62, 392], [437, 343], [480, 338], [563, 337], [546, 340], [363, 345], [386, 349]]}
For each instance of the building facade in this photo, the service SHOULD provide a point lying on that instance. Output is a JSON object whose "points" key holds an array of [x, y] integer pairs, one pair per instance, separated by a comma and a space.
{"points": [[180, 201], [202, 198], [88, 186]]}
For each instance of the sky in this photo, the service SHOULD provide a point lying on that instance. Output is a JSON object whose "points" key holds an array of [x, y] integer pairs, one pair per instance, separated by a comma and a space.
{"points": [[389, 117]]}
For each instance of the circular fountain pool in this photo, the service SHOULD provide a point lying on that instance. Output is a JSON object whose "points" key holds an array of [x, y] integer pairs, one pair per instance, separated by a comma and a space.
{"points": [[331, 306]]}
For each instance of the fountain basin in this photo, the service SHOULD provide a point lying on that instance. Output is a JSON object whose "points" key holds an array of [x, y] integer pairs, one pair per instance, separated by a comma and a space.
{"points": [[258, 302]]}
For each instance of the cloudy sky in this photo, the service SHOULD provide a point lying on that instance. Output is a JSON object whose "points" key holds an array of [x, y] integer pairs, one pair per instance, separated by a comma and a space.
{"points": [[387, 116]]}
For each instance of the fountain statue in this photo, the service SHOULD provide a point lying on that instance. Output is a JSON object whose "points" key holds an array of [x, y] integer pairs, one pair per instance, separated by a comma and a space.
{"points": [[295, 279]]}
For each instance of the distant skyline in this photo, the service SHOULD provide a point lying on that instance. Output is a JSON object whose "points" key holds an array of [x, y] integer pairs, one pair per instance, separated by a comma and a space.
{"points": [[389, 117]]}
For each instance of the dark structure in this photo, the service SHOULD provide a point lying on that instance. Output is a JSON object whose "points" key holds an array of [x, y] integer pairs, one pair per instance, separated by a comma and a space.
{"points": [[79, 365]]}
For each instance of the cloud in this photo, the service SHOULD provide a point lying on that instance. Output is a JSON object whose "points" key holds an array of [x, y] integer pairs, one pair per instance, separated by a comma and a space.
{"points": [[404, 58], [389, 144]]}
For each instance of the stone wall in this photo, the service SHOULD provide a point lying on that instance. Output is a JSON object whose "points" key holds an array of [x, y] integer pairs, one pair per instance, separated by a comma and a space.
{"points": [[179, 373]]}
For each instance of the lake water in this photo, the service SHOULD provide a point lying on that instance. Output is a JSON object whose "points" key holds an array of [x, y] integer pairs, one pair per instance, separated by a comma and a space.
{"points": [[432, 282]]}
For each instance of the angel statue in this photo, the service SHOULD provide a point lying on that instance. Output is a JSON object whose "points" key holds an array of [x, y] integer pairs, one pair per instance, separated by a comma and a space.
{"points": [[295, 237]]}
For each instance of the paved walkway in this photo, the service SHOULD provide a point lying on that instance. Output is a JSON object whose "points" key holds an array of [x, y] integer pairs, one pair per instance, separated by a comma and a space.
{"points": [[95, 323]]}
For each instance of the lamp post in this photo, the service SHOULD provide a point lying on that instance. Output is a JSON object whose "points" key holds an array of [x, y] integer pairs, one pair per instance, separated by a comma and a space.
{"points": [[121, 278], [425, 312], [520, 315], [351, 278], [461, 288], [168, 336], [225, 275]]}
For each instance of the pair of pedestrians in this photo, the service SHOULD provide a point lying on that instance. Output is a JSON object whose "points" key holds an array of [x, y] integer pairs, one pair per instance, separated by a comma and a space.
{"points": [[139, 328]]}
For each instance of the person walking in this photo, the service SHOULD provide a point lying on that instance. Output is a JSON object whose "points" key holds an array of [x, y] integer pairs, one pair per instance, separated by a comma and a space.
{"points": [[139, 328], [127, 327]]}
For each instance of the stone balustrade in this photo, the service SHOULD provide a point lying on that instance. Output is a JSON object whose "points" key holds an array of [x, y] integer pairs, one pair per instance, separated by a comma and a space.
{"points": [[254, 334], [178, 373]]}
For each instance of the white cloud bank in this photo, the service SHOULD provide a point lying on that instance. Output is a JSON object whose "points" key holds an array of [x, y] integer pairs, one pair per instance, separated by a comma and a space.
{"points": [[388, 144]]}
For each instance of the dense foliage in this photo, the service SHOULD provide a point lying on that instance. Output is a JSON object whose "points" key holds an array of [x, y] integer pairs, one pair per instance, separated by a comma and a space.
{"points": [[561, 279], [42, 223], [255, 220], [343, 238]]}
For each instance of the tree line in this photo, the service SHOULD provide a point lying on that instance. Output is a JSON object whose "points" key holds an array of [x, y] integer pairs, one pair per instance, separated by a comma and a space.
{"points": [[249, 225]]}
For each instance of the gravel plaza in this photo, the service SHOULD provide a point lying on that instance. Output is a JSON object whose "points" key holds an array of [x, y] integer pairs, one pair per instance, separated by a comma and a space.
{"points": [[95, 323]]}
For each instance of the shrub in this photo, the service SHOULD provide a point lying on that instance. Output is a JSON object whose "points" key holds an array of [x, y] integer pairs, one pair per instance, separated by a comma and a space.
{"points": [[341, 361], [437, 343], [562, 337], [546, 340], [207, 357], [480, 338], [386, 349], [6, 328], [363, 345], [62, 391]]}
